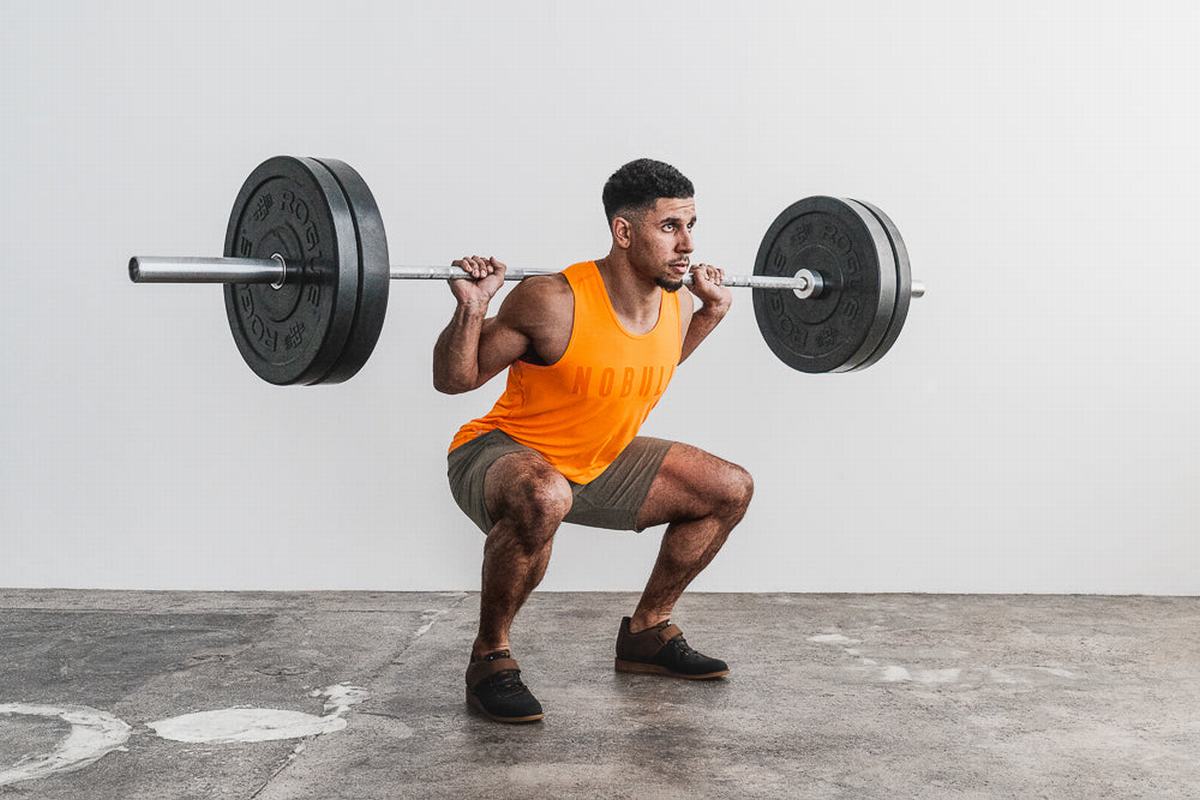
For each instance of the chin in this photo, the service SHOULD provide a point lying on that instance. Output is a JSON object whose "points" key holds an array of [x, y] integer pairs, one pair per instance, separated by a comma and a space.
{"points": [[669, 285]]}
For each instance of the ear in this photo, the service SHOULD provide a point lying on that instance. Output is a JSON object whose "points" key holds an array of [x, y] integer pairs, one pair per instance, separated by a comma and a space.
{"points": [[622, 232]]}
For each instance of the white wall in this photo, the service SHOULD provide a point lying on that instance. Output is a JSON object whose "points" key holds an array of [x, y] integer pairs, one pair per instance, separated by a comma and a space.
{"points": [[1034, 429]]}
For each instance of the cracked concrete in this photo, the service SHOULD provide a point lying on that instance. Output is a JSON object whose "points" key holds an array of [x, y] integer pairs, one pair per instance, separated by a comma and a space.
{"points": [[839, 696]]}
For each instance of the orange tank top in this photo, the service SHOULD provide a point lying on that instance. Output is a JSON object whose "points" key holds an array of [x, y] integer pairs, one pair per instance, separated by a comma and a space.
{"points": [[581, 411]]}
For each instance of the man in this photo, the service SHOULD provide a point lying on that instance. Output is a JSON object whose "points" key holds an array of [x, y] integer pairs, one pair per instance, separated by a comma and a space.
{"points": [[589, 352]]}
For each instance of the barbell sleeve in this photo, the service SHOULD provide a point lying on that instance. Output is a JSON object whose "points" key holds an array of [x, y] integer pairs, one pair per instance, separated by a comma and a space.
{"points": [[164, 269]]}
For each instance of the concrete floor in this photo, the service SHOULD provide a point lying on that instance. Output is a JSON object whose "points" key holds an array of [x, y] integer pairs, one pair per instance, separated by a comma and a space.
{"points": [[831, 696]]}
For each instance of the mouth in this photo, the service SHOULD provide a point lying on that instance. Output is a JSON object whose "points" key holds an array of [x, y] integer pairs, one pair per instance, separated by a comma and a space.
{"points": [[679, 267]]}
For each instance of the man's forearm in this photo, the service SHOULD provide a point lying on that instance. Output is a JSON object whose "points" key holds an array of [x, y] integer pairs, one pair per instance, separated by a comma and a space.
{"points": [[456, 354], [703, 321]]}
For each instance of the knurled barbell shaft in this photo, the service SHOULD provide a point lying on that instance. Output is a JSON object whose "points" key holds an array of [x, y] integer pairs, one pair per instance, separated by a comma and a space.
{"points": [[175, 269], [512, 274]]}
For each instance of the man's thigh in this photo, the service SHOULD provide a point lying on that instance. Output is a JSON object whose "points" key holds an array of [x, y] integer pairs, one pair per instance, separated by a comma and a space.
{"points": [[468, 466], [691, 484], [613, 498]]}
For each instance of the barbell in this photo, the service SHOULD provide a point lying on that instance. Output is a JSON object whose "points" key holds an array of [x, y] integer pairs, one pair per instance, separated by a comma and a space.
{"points": [[307, 273]]}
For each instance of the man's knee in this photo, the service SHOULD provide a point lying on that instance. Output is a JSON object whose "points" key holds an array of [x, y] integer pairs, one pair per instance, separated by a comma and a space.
{"points": [[737, 490], [545, 500], [536, 504]]}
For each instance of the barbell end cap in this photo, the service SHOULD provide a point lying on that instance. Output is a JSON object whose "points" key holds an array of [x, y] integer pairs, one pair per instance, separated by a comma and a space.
{"points": [[918, 289], [135, 270]]}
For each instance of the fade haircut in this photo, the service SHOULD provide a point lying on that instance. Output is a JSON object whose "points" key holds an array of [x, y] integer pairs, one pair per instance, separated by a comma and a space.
{"points": [[635, 187]]}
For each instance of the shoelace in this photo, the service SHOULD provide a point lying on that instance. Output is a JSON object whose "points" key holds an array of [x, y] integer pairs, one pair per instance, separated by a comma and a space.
{"points": [[683, 647], [508, 682]]}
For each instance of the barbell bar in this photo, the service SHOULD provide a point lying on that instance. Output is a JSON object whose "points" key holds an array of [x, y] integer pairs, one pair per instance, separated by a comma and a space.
{"points": [[309, 231], [274, 271]]}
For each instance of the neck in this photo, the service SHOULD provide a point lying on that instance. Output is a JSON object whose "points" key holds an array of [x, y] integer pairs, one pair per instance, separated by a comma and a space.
{"points": [[631, 294]]}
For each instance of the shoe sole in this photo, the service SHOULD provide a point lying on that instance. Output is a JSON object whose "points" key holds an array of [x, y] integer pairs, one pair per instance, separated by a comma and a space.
{"points": [[639, 668], [474, 703]]}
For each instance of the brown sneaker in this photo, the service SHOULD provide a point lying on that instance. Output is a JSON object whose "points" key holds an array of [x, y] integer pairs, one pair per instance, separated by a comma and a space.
{"points": [[494, 689], [662, 650]]}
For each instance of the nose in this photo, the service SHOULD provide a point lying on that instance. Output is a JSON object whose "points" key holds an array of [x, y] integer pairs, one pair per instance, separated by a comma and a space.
{"points": [[684, 243]]}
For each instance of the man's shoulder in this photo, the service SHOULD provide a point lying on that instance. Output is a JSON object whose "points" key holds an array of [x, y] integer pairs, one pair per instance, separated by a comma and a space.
{"points": [[542, 288], [554, 283], [539, 298]]}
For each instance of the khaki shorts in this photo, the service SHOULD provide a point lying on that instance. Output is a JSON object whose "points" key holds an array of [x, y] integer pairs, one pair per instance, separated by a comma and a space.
{"points": [[612, 500]]}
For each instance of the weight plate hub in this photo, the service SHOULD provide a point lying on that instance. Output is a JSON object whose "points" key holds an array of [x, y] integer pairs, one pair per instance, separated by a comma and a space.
{"points": [[849, 247], [297, 333]]}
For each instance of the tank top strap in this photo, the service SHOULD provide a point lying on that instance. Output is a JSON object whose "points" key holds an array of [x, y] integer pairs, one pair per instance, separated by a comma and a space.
{"points": [[585, 282], [592, 301]]}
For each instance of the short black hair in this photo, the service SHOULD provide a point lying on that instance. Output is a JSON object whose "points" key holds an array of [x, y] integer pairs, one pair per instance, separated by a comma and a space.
{"points": [[635, 186]]}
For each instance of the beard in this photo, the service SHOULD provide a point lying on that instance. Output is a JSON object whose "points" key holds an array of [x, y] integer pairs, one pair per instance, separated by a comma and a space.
{"points": [[669, 285]]}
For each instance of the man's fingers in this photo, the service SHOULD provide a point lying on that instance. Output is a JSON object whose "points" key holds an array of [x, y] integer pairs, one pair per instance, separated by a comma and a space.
{"points": [[707, 274], [478, 267], [469, 265]]}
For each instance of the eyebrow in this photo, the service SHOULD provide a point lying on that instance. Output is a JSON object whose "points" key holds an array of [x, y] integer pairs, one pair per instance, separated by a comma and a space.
{"points": [[676, 220]]}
